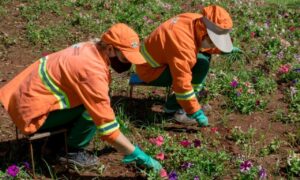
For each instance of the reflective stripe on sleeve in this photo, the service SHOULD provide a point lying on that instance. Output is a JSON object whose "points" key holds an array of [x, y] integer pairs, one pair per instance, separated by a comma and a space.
{"points": [[185, 96], [108, 128], [148, 57]]}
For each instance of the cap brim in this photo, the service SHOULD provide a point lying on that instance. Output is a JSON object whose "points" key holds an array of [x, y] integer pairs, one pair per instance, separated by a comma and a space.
{"points": [[134, 57], [220, 37]]}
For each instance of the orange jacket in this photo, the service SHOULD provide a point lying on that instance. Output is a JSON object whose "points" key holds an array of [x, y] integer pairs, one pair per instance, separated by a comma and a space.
{"points": [[76, 75], [175, 43]]}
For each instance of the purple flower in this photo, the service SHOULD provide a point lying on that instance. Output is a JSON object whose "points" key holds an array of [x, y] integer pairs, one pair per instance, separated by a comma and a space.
{"points": [[238, 94], [173, 175], [203, 93], [267, 24], [26, 165], [245, 166], [294, 81], [196, 178], [262, 173], [197, 143], [186, 165], [12, 170], [297, 70], [234, 84]]}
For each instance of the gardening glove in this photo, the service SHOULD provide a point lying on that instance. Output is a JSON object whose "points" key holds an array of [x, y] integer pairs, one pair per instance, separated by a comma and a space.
{"points": [[236, 50], [200, 117], [141, 158]]}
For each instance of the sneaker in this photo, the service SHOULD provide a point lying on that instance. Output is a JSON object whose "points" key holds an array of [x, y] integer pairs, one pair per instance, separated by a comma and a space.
{"points": [[80, 158], [181, 117], [170, 111]]}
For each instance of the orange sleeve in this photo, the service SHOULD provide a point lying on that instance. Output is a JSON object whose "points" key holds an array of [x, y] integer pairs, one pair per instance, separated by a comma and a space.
{"points": [[92, 87], [211, 51], [111, 137], [94, 95], [180, 67]]}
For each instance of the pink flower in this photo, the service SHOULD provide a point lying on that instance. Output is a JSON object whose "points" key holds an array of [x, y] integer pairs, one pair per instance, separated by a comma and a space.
{"points": [[251, 91], [163, 173], [154, 92], [240, 90], [167, 6], [158, 141], [185, 143], [247, 84], [252, 34], [148, 20], [214, 130], [283, 69], [160, 156], [292, 28]]}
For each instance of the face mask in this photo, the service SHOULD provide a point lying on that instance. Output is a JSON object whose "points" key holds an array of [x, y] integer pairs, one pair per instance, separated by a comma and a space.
{"points": [[207, 43], [118, 66]]}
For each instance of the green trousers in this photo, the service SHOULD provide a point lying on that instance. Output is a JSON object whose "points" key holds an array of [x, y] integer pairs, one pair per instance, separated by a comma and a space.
{"points": [[199, 73], [80, 130]]}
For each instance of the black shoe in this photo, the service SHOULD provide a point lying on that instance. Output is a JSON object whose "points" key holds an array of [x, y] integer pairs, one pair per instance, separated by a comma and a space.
{"points": [[80, 158]]}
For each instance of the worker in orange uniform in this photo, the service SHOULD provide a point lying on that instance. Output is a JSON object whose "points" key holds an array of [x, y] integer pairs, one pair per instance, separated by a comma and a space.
{"points": [[71, 87], [178, 54]]}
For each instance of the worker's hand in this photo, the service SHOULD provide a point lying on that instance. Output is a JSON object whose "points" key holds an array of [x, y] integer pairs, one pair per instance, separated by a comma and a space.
{"points": [[236, 50], [141, 158], [200, 117]]}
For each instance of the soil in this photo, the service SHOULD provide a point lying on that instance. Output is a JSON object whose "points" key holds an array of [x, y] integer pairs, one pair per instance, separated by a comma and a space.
{"points": [[16, 56]]}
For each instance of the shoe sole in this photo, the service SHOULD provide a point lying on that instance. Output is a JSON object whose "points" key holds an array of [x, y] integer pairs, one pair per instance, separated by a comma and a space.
{"points": [[75, 163], [169, 111], [187, 122], [177, 118]]}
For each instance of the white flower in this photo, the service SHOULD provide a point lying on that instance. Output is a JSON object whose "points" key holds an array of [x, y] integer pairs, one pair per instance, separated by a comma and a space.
{"points": [[293, 90], [251, 91]]}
